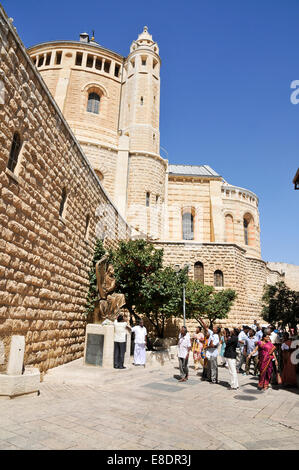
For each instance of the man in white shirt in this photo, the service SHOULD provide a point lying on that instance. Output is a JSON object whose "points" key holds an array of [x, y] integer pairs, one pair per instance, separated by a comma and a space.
{"points": [[140, 342], [120, 330], [243, 335], [212, 351], [184, 346]]}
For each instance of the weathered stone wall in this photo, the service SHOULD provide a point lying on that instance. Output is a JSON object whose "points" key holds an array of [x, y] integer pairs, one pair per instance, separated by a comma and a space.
{"points": [[44, 258], [291, 272], [247, 276]]}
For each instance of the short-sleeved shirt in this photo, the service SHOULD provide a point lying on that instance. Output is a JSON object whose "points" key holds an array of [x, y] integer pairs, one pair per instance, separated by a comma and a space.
{"points": [[120, 330], [183, 345], [140, 334], [242, 337], [250, 344], [212, 352], [259, 335]]}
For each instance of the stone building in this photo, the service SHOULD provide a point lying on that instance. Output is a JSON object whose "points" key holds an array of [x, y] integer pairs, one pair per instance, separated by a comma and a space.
{"points": [[112, 104], [80, 159], [52, 208]]}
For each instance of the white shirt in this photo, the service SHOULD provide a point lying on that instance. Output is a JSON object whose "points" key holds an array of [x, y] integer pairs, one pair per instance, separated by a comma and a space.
{"points": [[212, 352], [140, 334], [259, 335], [184, 345], [120, 331], [242, 337]]}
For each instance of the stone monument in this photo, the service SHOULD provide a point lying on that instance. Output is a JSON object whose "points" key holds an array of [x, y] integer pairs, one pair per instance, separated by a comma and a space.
{"points": [[99, 340], [18, 380]]}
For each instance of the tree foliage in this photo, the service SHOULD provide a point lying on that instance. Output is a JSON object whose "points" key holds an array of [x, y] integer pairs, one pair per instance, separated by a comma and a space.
{"points": [[133, 262], [161, 297], [205, 301], [280, 305]]}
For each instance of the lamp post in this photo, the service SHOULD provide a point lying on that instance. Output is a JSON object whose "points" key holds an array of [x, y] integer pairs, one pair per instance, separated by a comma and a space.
{"points": [[177, 269]]}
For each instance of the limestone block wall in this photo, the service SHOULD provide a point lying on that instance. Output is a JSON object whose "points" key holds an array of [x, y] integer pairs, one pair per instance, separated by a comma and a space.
{"points": [[146, 175], [44, 258], [245, 275], [239, 203], [193, 195], [291, 273], [70, 83], [104, 162]]}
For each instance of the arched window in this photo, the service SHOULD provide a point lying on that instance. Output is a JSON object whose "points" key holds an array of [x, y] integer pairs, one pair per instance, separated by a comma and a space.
{"points": [[188, 226], [218, 278], [245, 224], [229, 229], [93, 104], [248, 224], [62, 202], [14, 152], [199, 272]]}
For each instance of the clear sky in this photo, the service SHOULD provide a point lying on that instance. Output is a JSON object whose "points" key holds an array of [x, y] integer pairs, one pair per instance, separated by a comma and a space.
{"points": [[226, 72]]}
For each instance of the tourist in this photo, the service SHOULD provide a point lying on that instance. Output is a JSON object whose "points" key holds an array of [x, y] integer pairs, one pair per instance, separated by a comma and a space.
{"points": [[120, 330], [197, 345], [184, 346], [250, 345], [204, 355], [140, 343], [259, 333], [289, 377], [212, 351], [266, 356], [222, 348], [230, 354], [241, 344]]}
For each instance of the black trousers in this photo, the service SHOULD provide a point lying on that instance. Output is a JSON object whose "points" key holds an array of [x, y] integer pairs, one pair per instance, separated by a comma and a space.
{"points": [[119, 354]]}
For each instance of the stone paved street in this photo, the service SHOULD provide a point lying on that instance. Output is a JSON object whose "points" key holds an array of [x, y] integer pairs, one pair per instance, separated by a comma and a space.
{"points": [[89, 408]]}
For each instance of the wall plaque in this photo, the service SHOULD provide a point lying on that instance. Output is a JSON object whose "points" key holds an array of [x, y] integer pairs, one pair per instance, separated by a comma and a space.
{"points": [[94, 349]]}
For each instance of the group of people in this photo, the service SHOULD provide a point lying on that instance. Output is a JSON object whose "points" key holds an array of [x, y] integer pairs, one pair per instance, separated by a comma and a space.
{"points": [[120, 333], [268, 349]]}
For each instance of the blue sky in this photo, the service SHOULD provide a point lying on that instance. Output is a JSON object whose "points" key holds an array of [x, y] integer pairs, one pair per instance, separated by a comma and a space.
{"points": [[226, 72]]}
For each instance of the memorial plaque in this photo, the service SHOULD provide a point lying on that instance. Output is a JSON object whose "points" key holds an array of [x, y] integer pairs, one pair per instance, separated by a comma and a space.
{"points": [[94, 349]]}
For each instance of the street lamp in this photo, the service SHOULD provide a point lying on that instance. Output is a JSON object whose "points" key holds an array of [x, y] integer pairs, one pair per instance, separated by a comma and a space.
{"points": [[177, 269]]}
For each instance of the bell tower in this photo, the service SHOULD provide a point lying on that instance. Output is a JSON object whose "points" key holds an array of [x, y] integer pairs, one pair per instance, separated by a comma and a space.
{"points": [[141, 95], [139, 124]]}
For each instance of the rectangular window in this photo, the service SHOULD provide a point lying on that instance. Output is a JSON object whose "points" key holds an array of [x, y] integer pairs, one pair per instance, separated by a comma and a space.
{"points": [[116, 70], [143, 61], [48, 58], [98, 63], [107, 66], [147, 199], [79, 57], [89, 61], [58, 58], [40, 61]]}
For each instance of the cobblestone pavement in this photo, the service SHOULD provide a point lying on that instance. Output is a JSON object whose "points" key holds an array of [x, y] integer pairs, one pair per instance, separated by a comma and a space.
{"points": [[83, 407]]}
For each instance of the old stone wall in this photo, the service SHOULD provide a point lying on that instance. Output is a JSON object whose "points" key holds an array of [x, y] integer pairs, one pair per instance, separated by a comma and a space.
{"points": [[291, 273], [44, 257], [247, 276]]}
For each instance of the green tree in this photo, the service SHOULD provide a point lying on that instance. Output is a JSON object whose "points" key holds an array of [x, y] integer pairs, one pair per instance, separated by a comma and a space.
{"points": [[92, 295], [161, 297], [133, 262], [281, 305], [204, 301]]}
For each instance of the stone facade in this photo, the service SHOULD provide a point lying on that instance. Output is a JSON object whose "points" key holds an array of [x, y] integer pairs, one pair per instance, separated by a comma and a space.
{"points": [[247, 276], [290, 272], [45, 255]]}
